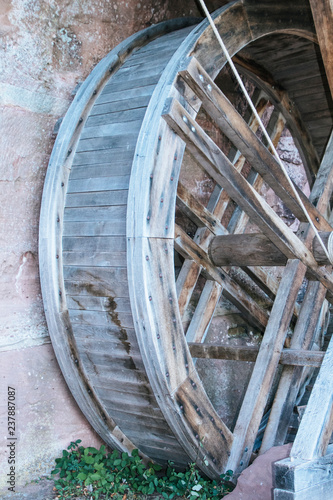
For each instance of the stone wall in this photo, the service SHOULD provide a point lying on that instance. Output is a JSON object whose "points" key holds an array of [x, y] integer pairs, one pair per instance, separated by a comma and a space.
{"points": [[48, 47]]}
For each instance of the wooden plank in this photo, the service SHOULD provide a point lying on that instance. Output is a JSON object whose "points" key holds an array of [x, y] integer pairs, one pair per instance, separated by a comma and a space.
{"points": [[196, 212], [115, 141], [289, 357], [263, 373], [113, 103], [256, 315], [185, 284], [237, 130], [101, 318], [252, 249], [120, 182], [109, 129], [219, 167], [124, 116], [96, 259], [204, 312], [95, 214], [92, 303], [318, 417], [100, 228], [99, 170], [94, 244], [119, 156], [255, 249], [97, 198], [322, 12]]}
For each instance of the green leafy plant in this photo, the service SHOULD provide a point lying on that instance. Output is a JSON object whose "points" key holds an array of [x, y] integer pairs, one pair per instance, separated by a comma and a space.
{"points": [[99, 475]]}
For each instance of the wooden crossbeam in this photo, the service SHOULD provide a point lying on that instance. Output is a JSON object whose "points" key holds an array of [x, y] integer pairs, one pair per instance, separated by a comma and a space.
{"points": [[256, 315], [223, 172], [290, 357], [237, 130], [256, 250]]}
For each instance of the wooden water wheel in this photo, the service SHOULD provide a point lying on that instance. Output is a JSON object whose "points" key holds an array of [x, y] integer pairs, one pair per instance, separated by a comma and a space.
{"points": [[134, 260]]}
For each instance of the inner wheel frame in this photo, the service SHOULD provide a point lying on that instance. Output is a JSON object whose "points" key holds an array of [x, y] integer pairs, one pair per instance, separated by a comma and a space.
{"points": [[151, 241]]}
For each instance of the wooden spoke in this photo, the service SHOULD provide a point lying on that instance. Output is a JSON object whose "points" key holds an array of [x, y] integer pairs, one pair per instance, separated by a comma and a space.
{"points": [[282, 101], [237, 130], [185, 284], [289, 357], [218, 166], [204, 312], [248, 307], [196, 212], [277, 427]]}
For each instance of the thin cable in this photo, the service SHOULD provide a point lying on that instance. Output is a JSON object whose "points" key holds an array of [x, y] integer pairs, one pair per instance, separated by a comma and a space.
{"points": [[241, 84]]}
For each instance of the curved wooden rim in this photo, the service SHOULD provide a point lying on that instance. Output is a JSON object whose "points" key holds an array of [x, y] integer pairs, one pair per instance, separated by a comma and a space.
{"points": [[150, 233], [50, 232]]}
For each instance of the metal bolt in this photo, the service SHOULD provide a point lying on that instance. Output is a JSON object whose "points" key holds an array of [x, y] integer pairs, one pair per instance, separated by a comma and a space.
{"points": [[185, 119], [95, 92], [201, 78], [214, 460], [209, 87], [147, 258], [193, 129], [198, 410], [158, 335], [162, 200], [57, 256], [171, 178], [151, 176], [58, 220], [60, 293], [181, 407], [241, 463], [197, 436], [170, 299], [148, 218], [150, 298], [160, 275], [175, 158], [81, 120], [159, 137], [69, 152], [317, 219], [166, 227], [62, 184], [76, 361], [246, 450], [167, 374], [186, 365], [212, 419], [174, 347]]}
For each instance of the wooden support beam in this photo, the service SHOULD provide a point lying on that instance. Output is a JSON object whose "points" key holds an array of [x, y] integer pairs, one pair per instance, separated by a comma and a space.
{"points": [[290, 357], [255, 314], [257, 250], [317, 423], [223, 172], [322, 11], [236, 129]]}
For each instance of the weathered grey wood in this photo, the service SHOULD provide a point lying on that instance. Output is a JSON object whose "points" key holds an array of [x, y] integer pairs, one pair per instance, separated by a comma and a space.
{"points": [[89, 259], [255, 314], [204, 312], [322, 12], [97, 198], [285, 398], [100, 228], [289, 357], [185, 284], [255, 249], [219, 167], [318, 416], [263, 373], [236, 129], [97, 214], [124, 116]]}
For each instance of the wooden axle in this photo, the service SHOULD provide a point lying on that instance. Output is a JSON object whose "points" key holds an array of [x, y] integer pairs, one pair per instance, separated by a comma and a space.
{"points": [[291, 357], [257, 250]]}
